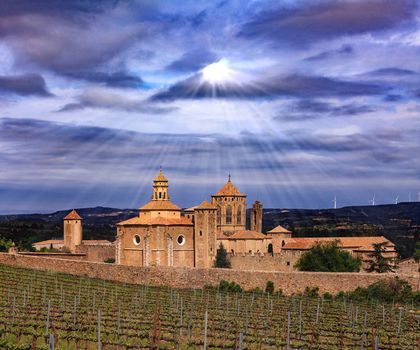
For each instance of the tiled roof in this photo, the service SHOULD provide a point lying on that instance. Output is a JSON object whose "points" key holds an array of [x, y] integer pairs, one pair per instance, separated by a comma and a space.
{"points": [[73, 215], [160, 176], [190, 209], [279, 229], [229, 189], [206, 205], [139, 220], [244, 234], [306, 243], [160, 205], [96, 242], [50, 241]]}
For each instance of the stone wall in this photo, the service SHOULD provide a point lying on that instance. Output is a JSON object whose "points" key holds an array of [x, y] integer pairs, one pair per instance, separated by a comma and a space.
{"points": [[67, 256], [98, 253], [283, 261], [289, 282]]}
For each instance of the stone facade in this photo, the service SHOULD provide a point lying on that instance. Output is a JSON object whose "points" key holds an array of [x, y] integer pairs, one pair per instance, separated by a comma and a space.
{"points": [[163, 235], [289, 282]]}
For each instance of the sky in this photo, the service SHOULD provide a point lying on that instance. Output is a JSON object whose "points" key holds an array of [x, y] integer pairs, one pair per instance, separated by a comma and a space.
{"points": [[300, 101]]}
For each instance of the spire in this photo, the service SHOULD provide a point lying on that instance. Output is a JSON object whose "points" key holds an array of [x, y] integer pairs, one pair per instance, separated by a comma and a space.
{"points": [[229, 178]]}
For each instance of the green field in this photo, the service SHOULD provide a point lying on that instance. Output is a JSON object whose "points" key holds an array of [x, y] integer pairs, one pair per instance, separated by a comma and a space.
{"points": [[37, 307]]}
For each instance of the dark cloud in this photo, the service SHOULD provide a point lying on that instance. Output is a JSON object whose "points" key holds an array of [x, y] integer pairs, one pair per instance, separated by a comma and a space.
{"points": [[193, 60], [313, 109], [293, 85], [393, 98], [343, 51], [24, 85], [106, 99], [58, 8], [327, 20], [392, 71], [78, 39], [117, 79]]}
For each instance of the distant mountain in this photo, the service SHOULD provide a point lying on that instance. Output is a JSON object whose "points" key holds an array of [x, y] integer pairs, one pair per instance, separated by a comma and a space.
{"points": [[399, 222]]}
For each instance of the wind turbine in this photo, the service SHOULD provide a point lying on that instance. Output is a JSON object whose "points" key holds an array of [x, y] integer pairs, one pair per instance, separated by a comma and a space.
{"points": [[396, 199], [335, 202], [373, 200]]}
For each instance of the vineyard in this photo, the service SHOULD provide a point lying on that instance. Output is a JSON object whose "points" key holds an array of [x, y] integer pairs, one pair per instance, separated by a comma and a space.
{"points": [[45, 310]]}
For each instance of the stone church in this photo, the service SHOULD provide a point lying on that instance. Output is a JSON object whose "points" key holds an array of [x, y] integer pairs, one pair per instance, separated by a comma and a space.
{"points": [[164, 235]]}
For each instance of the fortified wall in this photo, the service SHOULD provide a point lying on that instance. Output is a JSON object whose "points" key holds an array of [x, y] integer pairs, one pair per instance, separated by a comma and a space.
{"points": [[177, 277]]}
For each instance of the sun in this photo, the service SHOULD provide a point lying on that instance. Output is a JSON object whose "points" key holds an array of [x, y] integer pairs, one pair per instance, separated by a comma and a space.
{"points": [[217, 72]]}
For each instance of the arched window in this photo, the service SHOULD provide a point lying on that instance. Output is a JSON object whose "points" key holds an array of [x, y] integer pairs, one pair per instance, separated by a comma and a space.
{"points": [[239, 216], [270, 249], [228, 214]]}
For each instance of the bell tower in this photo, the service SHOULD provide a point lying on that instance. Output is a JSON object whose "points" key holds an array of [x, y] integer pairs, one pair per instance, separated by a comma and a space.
{"points": [[256, 217], [72, 231], [160, 188]]}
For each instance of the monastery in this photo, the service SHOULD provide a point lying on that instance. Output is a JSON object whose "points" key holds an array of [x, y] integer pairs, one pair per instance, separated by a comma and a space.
{"points": [[163, 234]]}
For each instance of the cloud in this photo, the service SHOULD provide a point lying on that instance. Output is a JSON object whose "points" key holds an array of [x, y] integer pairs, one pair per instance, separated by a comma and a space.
{"points": [[113, 79], [313, 109], [51, 158], [193, 60], [81, 40], [345, 50], [107, 99], [392, 72], [301, 26], [296, 85], [24, 85]]}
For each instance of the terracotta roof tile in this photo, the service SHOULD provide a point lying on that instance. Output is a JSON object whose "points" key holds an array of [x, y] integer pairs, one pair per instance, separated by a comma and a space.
{"points": [[279, 229], [160, 205], [306, 243], [229, 189], [50, 241], [139, 220], [206, 205], [96, 242], [244, 234], [73, 215]]}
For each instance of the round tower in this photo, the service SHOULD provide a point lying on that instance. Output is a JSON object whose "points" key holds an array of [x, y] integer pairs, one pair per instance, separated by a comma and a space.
{"points": [[72, 231]]}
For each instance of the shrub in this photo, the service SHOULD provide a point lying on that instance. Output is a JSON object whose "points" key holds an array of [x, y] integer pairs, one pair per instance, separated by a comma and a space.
{"points": [[256, 290], [395, 289], [328, 257], [222, 259], [327, 296], [225, 286], [269, 287], [109, 260], [311, 292]]}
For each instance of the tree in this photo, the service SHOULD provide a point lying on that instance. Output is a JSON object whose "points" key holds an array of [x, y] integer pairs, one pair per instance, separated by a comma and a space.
{"points": [[222, 259], [5, 244], [328, 257], [378, 262], [417, 252]]}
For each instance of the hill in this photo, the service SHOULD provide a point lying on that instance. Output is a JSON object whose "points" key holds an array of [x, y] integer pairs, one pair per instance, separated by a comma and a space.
{"points": [[398, 222]]}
